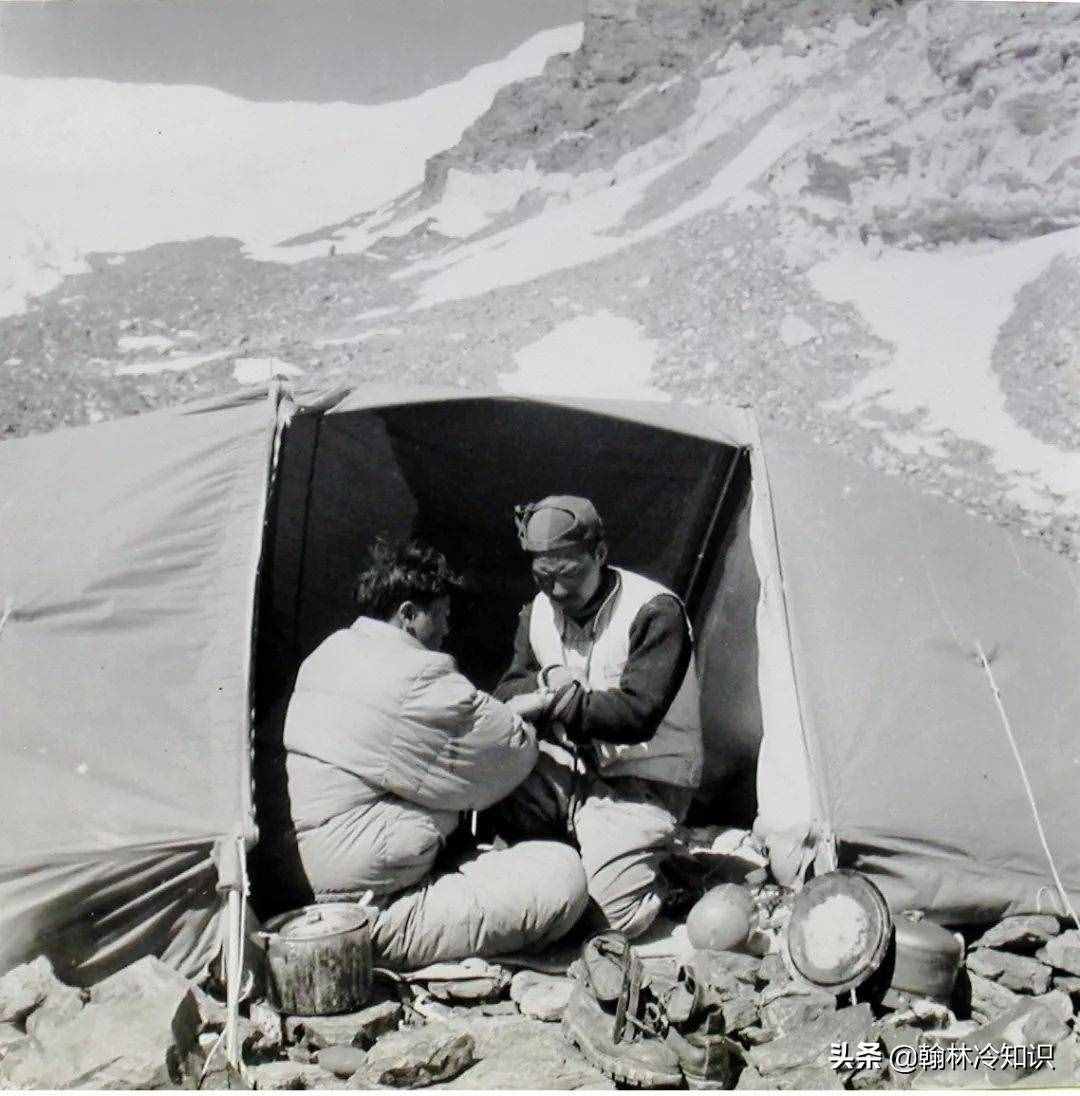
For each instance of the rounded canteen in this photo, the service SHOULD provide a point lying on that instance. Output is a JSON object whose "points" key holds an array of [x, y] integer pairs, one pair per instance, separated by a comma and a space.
{"points": [[721, 918]]}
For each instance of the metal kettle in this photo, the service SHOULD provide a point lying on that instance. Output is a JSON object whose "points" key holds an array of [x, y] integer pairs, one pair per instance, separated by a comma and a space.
{"points": [[319, 959]]}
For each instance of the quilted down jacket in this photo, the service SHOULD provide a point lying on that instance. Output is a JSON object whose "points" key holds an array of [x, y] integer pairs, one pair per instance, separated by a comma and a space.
{"points": [[386, 742]]}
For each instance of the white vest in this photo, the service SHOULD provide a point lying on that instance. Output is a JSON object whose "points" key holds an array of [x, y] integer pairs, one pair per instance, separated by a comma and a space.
{"points": [[597, 655]]}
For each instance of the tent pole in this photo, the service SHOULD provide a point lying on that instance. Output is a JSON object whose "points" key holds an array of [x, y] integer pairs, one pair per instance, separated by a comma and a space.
{"points": [[710, 530], [234, 964]]}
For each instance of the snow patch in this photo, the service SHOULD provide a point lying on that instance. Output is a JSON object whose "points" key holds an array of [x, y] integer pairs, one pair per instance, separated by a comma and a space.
{"points": [[601, 356], [794, 331], [144, 342], [362, 337], [260, 370], [942, 312], [470, 201], [376, 313], [170, 364], [95, 166]]}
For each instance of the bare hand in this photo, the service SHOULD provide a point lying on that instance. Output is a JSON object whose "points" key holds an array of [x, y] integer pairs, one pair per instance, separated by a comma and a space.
{"points": [[530, 706], [555, 677]]}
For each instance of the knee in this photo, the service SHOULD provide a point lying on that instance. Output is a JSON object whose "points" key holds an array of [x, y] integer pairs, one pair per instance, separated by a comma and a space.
{"points": [[635, 917], [558, 866]]}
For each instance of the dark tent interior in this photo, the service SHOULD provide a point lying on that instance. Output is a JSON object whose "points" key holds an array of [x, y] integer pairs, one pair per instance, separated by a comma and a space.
{"points": [[675, 508]]}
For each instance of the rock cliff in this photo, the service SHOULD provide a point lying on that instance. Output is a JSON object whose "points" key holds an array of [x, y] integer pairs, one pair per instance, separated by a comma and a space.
{"points": [[965, 126]]}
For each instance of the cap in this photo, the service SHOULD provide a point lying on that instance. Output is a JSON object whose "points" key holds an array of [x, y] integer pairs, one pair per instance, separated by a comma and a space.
{"points": [[559, 521]]}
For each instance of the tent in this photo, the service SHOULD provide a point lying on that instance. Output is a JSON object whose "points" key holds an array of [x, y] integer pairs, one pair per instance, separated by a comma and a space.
{"points": [[889, 683]]}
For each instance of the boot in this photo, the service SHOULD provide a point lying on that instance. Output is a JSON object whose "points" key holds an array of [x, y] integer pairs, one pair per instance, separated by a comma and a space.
{"points": [[642, 1063], [706, 1061]]}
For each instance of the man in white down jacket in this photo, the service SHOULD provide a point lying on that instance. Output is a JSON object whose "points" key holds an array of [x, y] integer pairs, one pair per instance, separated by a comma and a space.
{"points": [[387, 744]]}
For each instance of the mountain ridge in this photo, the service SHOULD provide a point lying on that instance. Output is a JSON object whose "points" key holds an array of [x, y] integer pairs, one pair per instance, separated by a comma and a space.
{"points": [[860, 218]]}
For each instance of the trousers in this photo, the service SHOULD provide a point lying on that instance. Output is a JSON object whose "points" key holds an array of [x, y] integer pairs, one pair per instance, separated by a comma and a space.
{"points": [[490, 903], [623, 827]]}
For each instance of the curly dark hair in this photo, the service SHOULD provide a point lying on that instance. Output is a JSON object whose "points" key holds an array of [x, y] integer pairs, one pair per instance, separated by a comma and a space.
{"points": [[403, 571]]}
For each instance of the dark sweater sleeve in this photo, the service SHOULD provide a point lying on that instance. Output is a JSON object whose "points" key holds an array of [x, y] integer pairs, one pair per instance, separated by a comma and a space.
{"points": [[660, 650], [521, 675]]}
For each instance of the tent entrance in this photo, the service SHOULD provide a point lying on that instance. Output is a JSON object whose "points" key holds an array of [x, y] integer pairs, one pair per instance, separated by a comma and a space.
{"points": [[675, 506]]}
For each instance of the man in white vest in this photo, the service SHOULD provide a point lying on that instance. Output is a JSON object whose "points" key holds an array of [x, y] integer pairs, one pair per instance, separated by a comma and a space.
{"points": [[603, 664]]}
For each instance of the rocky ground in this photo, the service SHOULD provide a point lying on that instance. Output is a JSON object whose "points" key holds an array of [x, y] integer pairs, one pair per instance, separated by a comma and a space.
{"points": [[1010, 1018], [693, 172]]}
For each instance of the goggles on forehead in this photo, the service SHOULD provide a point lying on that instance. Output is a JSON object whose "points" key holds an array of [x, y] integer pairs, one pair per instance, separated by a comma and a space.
{"points": [[576, 529], [522, 515]]}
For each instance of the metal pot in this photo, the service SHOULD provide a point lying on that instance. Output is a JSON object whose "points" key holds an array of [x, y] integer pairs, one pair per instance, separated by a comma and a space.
{"points": [[927, 958], [319, 959]]}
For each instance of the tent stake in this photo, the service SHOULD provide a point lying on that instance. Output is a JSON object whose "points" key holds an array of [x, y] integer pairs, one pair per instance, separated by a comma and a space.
{"points": [[1024, 777]]}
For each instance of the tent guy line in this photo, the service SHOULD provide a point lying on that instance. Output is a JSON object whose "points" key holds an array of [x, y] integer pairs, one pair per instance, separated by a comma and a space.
{"points": [[985, 662]]}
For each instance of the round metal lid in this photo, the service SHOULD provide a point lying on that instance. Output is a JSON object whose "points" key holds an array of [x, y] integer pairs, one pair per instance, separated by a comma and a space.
{"points": [[839, 931], [321, 920]]}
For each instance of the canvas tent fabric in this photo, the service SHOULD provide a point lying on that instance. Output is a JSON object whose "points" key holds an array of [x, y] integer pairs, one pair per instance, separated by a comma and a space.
{"points": [[127, 579], [128, 592], [890, 596]]}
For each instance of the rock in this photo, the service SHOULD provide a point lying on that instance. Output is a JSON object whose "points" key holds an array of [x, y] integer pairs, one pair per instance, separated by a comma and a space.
{"points": [[25, 988], [720, 968], [1016, 972], [809, 1044], [893, 1036], [802, 1078], [470, 980], [787, 1010], [981, 1059], [772, 969], [541, 997], [268, 1023], [379, 1018], [525, 1054], [740, 1012], [468, 990], [988, 999], [292, 1076], [873, 1077], [283, 1076], [10, 1034], [342, 1061], [808, 1078], [417, 1058], [1063, 952], [140, 1041], [351, 1029], [1021, 933], [1067, 983], [755, 1035], [145, 977], [60, 1007], [523, 981], [753, 1081], [1038, 1020], [498, 1008]]}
